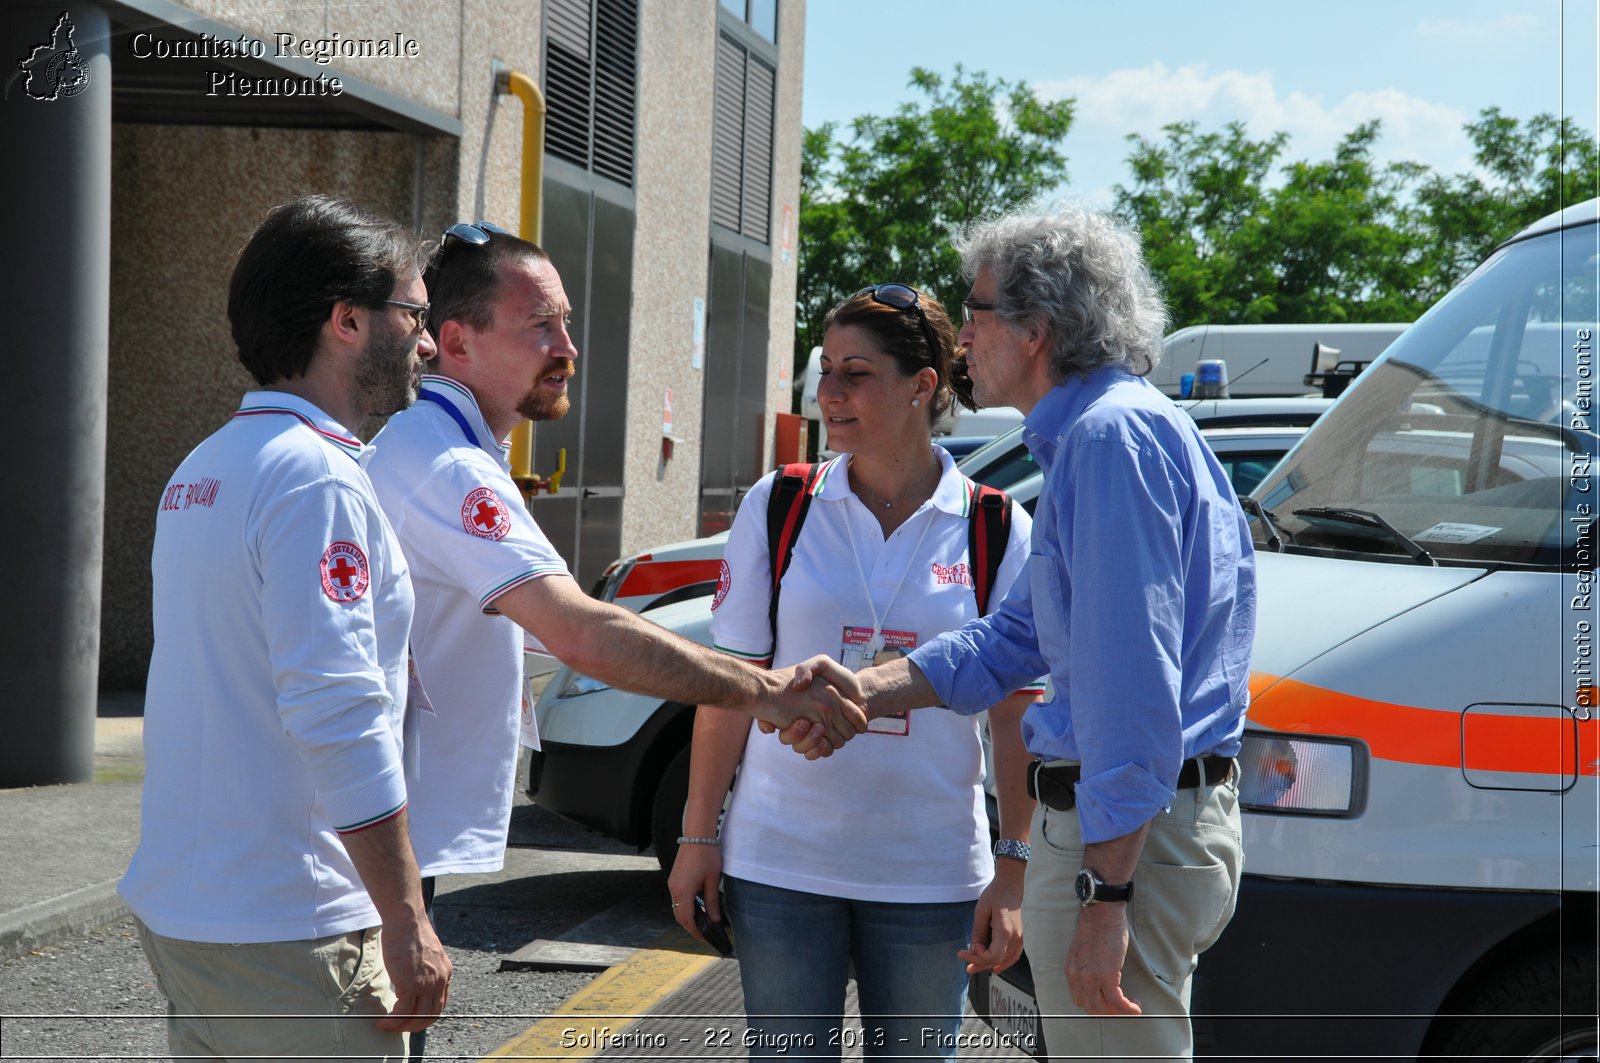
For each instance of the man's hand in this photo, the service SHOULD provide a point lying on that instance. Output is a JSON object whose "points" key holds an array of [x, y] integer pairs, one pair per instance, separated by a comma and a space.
{"points": [[1095, 958], [696, 869], [832, 706], [997, 922], [420, 972]]}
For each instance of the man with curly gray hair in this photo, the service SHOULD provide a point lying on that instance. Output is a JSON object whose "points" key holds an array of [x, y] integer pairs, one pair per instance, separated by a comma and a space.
{"points": [[1139, 601]]}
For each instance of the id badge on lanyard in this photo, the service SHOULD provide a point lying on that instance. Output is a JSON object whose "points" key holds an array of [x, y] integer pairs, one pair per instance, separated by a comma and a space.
{"points": [[859, 650]]}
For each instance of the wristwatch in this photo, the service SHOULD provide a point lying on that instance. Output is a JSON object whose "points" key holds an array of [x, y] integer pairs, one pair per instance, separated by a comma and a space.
{"points": [[1014, 849], [1092, 889]]}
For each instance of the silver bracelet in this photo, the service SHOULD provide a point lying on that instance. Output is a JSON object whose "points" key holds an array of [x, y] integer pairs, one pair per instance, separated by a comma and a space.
{"points": [[1010, 847], [685, 840]]}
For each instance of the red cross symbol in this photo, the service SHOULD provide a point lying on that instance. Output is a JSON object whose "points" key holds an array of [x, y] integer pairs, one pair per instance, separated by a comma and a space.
{"points": [[343, 572], [484, 515]]}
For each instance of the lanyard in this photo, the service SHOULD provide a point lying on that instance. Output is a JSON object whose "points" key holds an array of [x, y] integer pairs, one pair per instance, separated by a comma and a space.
{"points": [[876, 642], [455, 415]]}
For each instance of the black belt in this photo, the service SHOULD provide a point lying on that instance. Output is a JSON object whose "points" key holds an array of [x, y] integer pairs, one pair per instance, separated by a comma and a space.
{"points": [[1054, 785]]}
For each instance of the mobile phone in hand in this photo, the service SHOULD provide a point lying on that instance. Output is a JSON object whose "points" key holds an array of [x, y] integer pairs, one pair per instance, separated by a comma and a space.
{"points": [[716, 934]]}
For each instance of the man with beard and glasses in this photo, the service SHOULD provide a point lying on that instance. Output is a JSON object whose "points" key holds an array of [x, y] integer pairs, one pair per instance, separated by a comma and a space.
{"points": [[275, 888], [485, 573]]}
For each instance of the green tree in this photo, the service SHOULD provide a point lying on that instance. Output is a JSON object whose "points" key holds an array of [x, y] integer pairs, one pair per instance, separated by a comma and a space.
{"points": [[1528, 171], [1237, 235], [881, 203]]}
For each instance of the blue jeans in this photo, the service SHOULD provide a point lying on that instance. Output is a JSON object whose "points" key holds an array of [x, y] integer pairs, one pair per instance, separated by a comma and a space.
{"points": [[795, 951]]}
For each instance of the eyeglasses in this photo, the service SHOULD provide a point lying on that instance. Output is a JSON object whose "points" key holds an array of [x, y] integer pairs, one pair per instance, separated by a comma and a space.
{"points": [[970, 307], [419, 311], [474, 235], [904, 297]]}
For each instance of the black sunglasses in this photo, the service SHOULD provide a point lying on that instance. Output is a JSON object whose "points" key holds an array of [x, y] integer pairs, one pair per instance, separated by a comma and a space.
{"points": [[904, 297], [474, 235]]}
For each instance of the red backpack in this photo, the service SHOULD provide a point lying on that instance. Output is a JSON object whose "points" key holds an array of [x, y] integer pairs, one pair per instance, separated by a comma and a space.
{"points": [[988, 531]]}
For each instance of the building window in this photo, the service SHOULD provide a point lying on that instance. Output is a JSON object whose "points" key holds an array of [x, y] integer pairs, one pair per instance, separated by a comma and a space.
{"points": [[760, 15], [591, 74], [741, 152]]}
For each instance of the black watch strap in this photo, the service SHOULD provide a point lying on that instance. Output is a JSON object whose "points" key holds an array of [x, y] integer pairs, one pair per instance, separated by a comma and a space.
{"points": [[1092, 889]]}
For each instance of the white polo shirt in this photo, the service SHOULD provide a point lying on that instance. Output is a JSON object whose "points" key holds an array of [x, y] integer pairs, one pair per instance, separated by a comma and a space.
{"points": [[898, 813], [276, 696], [446, 485]]}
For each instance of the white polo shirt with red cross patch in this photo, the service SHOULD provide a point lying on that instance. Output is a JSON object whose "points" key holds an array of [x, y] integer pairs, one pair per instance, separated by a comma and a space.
{"points": [[446, 485], [898, 813], [276, 698]]}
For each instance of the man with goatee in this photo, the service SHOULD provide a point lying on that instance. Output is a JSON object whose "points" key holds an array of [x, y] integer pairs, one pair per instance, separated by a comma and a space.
{"points": [[274, 886], [484, 572]]}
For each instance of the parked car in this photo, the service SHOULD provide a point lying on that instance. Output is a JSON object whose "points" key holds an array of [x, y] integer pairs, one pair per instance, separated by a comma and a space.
{"points": [[619, 762]]}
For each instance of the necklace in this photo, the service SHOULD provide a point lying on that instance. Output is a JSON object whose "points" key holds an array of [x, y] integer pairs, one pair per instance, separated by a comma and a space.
{"points": [[888, 503]]}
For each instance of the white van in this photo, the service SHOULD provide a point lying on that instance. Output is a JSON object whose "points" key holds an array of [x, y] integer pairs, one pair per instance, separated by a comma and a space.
{"points": [[1421, 771], [1269, 359]]}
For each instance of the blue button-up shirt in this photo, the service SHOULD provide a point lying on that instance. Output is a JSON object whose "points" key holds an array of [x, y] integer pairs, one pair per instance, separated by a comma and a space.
{"points": [[1139, 602]]}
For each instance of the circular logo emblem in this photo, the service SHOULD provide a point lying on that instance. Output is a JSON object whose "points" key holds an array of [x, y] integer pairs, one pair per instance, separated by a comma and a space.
{"points": [[345, 576], [484, 515], [724, 581]]}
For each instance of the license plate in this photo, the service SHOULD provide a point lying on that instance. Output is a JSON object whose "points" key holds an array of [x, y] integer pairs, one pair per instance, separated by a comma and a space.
{"points": [[1014, 1014]]}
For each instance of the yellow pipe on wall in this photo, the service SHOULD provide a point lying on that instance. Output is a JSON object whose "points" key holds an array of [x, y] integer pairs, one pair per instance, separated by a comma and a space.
{"points": [[530, 228]]}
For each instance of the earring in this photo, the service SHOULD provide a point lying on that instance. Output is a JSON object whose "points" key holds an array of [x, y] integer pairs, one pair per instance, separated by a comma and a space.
{"points": [[916, 402]]}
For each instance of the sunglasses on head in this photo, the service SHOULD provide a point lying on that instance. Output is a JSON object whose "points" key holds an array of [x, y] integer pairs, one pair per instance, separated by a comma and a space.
{"points": [[904, 297], [473, 235]]}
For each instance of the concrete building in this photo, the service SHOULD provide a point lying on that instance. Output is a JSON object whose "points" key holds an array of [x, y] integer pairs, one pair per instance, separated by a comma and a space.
{"points": [[145, 140]]}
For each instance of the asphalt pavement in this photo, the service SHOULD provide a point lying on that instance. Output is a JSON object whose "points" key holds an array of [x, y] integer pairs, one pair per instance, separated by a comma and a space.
{"points": [[66, 846], [569, 953]]}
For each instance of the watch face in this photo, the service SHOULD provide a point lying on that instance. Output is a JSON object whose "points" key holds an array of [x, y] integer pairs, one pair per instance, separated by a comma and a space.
{"points": [[1084, 886]]}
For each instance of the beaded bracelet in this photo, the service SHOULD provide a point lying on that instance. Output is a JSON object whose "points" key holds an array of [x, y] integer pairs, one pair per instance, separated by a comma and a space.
{"points": [[684, 840]]}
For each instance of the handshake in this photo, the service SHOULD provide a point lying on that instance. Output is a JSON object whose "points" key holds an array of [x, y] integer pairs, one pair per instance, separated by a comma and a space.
{"points": [[822, 705]]}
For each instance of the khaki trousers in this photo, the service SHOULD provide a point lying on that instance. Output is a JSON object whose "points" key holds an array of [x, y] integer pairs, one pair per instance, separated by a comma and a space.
{"points": [[1185, 888], [315, 999]]}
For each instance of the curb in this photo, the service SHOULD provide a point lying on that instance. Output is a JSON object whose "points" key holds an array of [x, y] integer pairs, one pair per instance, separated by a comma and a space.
{"points": [[38, 926]]}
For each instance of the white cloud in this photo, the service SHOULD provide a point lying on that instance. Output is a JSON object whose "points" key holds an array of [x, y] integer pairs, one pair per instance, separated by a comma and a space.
{"points": [[1145, 99]]}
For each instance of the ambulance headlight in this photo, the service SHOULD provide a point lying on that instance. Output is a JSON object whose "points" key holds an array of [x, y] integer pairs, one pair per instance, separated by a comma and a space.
{"points": [[1309, 776]]}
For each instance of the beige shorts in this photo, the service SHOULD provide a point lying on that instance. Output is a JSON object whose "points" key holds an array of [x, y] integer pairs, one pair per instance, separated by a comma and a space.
{"points": [[314, 999], [1185, 888]]}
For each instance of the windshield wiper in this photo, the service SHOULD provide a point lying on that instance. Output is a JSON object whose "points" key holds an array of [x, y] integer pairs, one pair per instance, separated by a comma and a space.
{"points": [[1257, 510], [1367, 519]]}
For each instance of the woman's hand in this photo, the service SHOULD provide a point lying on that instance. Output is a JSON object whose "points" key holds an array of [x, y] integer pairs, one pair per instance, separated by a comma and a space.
{"points": [[997, 921], [697, 869]]}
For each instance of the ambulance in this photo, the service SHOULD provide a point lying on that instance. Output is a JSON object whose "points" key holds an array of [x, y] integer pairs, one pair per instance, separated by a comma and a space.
{"points": [[1421, 770]]}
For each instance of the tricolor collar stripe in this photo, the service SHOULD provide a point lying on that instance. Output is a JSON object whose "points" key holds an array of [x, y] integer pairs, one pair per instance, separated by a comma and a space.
{"points": [[350, 445], [969, 488], [822, 477]]}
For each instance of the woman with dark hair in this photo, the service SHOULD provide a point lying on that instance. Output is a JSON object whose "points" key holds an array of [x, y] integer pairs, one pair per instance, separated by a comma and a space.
{"points": [[877, 858]]}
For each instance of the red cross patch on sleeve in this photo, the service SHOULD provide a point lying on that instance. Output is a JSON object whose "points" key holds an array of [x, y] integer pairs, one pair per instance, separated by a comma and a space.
{"points": [[484, 515], [345, 576], [724, 581]]}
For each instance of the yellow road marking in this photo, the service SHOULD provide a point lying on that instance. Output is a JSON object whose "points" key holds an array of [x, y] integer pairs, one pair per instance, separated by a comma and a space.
{"points": [[578, 1029]]}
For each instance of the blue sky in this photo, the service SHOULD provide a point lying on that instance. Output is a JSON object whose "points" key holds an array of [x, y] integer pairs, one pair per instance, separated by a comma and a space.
{"points": [[1313, 70]]}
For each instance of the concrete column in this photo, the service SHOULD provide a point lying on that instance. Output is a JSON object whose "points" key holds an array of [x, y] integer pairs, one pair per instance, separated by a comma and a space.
{"points": [[55, 138]]}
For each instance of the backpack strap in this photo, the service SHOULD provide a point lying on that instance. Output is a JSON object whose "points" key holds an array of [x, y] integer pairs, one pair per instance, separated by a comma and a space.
{"points": [[786, 512], [988, 532]]}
